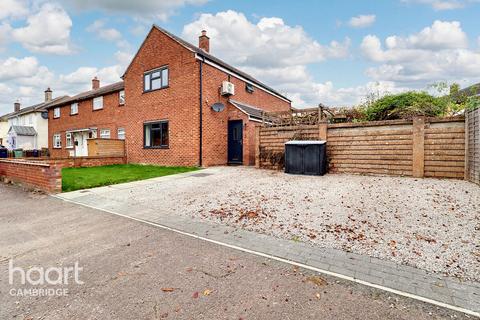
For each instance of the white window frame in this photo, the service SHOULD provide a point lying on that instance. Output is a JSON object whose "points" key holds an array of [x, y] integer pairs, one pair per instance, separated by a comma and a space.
{"points": [[98, 103], [104, 133], [74, 108], [121, 98], [121, 132], [57, 141], [68, 140], [56, 113]]}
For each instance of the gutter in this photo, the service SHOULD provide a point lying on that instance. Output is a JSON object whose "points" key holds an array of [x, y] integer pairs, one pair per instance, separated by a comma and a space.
{"points": [[200, 155]]}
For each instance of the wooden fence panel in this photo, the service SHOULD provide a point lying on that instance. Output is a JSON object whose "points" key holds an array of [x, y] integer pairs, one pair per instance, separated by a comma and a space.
{"points": [[472, 138], [420, 148]]}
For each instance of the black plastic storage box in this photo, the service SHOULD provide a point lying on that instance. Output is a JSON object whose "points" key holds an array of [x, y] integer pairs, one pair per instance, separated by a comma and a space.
{"points": [[307, 157]]}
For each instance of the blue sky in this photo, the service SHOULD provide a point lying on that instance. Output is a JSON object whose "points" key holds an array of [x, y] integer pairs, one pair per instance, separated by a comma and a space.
{"points": [[333, 52]]}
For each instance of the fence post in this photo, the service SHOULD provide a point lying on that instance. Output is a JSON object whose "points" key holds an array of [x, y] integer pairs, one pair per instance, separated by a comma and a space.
{"points": [[322, 130], [418, 146], [257, 146], [467, 140]]}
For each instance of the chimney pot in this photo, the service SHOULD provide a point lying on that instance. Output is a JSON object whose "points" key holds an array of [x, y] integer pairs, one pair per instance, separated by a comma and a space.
{"points": [[16, 106], [95, 83], [204, 41], [48, 95]]}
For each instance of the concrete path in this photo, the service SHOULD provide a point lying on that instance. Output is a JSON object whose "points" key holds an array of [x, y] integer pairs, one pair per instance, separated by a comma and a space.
{"points": [[400, 279]]}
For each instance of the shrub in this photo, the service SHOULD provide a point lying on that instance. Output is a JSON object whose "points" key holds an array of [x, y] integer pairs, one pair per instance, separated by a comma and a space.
{"points": [[405, 106]]}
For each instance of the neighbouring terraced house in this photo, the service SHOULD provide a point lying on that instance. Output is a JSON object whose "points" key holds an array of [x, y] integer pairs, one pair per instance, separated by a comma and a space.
{"points": [[27, 128], [177, 105]]}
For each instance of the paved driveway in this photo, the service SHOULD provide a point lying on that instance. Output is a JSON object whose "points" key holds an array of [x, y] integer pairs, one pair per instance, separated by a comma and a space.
{"points": [[135, 271]]}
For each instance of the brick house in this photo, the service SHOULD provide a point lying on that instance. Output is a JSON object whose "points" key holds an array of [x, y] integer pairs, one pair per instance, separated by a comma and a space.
{"points": [[97, 113], [183, 106]]}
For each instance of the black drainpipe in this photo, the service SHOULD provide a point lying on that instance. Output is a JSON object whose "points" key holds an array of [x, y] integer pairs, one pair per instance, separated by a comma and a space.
{"points": [[201, 114]]}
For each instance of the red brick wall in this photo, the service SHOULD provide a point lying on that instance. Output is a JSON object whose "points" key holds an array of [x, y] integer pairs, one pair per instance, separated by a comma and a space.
{"points": [[33, 174], [112, 117], [46, 175], [179, 103], [215, 124]]}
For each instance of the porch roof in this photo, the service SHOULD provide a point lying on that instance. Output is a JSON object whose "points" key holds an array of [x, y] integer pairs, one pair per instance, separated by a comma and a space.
{"points": [[24, 130], [251, 111]]}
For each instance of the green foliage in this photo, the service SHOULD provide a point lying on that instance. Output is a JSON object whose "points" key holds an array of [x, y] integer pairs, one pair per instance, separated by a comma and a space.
{"points": [[84, 178], [405, 106]]}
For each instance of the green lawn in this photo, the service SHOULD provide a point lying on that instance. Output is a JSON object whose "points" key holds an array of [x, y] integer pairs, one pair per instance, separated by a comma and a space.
{"points": [[84, 178]]}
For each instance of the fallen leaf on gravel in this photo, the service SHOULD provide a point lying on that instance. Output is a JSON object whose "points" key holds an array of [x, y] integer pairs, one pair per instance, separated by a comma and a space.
{"points": [[317, 295], [206, 292], [195, 295], [317, 280], [167, 289]]}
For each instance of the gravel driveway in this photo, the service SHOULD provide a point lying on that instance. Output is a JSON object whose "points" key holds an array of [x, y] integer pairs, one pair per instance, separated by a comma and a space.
{"points": [[427, 223]]}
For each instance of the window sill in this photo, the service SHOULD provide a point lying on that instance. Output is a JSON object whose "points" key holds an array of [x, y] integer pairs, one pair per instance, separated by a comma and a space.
{"points": [[56, 118], [164, 147], [69, 147], [162, 88], [99, 109], [74, 114], [57, 147]]}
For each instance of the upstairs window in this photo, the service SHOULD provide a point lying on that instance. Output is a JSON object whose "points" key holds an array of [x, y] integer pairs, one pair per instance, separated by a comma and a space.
{"points": [[121, 98], [98, 103], [74, 108], [156, 135], [56, 113], [155, 79]]}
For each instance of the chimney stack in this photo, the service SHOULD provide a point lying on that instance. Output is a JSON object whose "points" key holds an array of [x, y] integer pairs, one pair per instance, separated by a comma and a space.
{"points": [[95, 83], [16, 106], [204, 41], [48, 95]]}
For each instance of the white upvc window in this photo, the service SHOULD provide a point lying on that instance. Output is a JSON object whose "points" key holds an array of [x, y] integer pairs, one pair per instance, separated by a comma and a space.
{"points": [[121, 133], [121, 97], [56, 112], [57, 141], [98, 103], [105, 134], [68, 140], [74, 108]]}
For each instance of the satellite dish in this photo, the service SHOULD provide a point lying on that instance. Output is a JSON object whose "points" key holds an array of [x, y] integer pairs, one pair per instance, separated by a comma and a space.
{"points": [[218, 107], [44, 114]]}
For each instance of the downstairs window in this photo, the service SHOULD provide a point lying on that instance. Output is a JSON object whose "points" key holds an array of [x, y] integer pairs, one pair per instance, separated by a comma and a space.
{"points": [[156, 135]]}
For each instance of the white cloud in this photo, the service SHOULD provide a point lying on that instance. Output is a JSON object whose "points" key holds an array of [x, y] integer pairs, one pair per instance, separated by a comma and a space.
{"points": [[109, 34], [268, 43], [437, 53], [14, 68], [13, 9], [47, 31], [440, 5], [272, 51], [147, 9], [362, 21]]}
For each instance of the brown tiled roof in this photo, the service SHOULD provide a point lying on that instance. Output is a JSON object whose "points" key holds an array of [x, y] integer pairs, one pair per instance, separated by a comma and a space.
{"points": [[216, 60], [35, 108], [117, 86]]}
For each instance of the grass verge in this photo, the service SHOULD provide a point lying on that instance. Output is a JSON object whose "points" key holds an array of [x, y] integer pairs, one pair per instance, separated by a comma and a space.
{"points": [[85, 178]]}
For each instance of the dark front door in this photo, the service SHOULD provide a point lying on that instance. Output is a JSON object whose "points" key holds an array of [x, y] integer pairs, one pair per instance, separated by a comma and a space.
{"points": [[235, 141]]}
